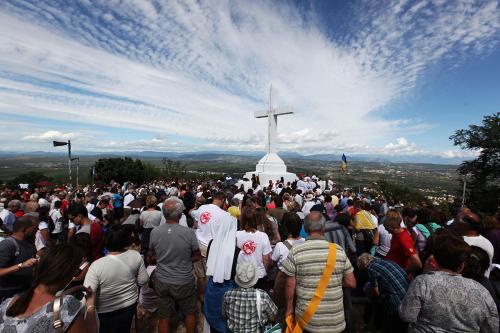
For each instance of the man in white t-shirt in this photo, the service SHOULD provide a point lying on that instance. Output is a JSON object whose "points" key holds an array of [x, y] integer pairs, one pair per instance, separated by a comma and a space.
{"points": [[129, 197], [209, 220], [210, 217], [469, 225]]}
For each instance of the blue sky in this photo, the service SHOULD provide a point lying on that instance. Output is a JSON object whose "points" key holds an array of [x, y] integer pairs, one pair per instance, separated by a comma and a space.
{"points": [[385, 78]]}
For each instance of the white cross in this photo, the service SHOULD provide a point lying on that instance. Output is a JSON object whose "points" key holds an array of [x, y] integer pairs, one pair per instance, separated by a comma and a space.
{"points": [[272, 121]]}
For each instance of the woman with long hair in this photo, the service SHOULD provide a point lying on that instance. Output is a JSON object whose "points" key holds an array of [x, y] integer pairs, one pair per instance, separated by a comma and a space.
{"points": [[33, 310]]}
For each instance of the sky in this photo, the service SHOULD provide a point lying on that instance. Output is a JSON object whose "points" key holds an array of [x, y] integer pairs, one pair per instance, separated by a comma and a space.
{"points": [[384, 78]]}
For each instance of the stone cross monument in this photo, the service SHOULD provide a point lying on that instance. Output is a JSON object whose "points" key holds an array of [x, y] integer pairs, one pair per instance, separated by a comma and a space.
{"points": [[271, 166], [272, 122]]}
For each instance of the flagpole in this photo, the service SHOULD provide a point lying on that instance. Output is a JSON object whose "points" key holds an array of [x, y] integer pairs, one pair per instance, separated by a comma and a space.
{"points": [[69, 164]]}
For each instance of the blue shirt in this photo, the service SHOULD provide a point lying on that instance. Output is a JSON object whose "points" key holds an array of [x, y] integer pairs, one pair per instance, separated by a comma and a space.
{"points": [[117, 200], [391, 280]]}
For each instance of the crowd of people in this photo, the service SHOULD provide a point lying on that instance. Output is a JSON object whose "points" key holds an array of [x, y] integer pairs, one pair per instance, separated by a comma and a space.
{"points": [[244, 257]]}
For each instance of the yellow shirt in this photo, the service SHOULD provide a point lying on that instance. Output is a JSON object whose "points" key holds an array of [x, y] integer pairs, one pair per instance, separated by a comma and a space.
{"points": [[234, 211]]}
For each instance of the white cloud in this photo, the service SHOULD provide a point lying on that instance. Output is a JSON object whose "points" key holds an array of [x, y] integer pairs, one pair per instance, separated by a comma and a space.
{"points": [[200, 69], [50, 135]]}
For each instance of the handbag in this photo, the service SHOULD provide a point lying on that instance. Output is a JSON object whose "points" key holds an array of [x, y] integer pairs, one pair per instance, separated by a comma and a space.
{"points": [[297, 326]]}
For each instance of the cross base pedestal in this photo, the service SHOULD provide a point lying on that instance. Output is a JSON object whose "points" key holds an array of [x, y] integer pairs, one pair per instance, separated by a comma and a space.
{"points": [[271, 167]]}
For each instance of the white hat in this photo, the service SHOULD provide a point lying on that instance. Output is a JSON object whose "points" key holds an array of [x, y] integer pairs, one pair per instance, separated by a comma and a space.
{"points": [[308, 197], [246, 275]]}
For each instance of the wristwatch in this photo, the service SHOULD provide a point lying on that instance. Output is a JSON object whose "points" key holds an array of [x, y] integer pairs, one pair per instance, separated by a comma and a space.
{"points": [[20, 265]]}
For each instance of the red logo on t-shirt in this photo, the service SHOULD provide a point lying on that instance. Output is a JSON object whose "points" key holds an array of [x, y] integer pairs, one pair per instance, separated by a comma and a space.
{"points": [[249, 247], [205, 217]]}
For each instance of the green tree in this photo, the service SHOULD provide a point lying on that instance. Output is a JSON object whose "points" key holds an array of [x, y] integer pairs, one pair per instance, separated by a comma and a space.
{"points": [[30, 178], [401, 194], [120, 170], [483, 173]]}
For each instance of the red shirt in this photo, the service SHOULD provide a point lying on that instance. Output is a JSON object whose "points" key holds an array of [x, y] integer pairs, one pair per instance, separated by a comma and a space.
{"points": [[402, 247]]}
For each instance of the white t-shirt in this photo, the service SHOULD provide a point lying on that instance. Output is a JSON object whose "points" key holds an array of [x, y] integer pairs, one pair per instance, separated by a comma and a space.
{"points": [[385, 241], [307, 207], [114, 279], [39, 240], [127, 200], [239, 196], [56, 216], [90, 207], [484, 244], [253, 246], [280, 252], [210, 217]]}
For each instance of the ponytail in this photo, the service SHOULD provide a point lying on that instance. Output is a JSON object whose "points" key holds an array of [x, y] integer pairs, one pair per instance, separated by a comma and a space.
{"points": [[21, 303]]}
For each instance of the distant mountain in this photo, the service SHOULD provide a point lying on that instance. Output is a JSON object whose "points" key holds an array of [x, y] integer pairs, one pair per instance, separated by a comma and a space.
{"points": [[225, 155]]}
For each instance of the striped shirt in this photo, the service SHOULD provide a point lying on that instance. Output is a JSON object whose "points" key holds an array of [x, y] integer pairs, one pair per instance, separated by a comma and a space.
{"points": [[338, 234], [306, 262], [391, 280]]}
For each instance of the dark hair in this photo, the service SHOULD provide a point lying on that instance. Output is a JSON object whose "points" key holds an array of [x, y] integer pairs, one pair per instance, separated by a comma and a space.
{"points": [[450, 250], [22, 223], [248, 219], [56, 268], [221, 195], [57, 204], [82, 240], [261, 218], [423, 215], [293, 224], [76, 208], [278, 201], [117, 238], [408, 212], [477, 263]]}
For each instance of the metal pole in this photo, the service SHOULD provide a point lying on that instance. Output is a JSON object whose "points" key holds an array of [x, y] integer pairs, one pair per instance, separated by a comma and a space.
{"points": [[77, 170], [463, 193], [69, 164]]}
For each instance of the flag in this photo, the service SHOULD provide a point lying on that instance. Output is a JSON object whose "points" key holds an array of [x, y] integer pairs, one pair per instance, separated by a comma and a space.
{"points": [[343, 164], [59, 143]]}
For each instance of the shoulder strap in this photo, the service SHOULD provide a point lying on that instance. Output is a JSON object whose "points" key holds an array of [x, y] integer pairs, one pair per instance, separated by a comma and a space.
{"points": [[13, 241], [320, 290], [287, 244], [56, 309]]}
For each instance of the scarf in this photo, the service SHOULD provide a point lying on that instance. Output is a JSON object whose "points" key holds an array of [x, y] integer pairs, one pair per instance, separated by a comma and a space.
{"points": [[220, 258]]}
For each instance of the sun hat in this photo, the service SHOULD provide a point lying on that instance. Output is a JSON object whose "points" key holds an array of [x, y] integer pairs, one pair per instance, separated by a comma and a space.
{"points": [[309, 197], [246, 275]]}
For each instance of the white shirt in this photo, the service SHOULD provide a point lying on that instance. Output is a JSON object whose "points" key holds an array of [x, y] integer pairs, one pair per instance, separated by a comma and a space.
{"points": [[114, 279], [127, 200], [385, 240], [253, 246], [484, 244], [39, 240], [209, 219], [239, 196], [307, 207], [280, 252], [298, 199], [56, 216]]}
